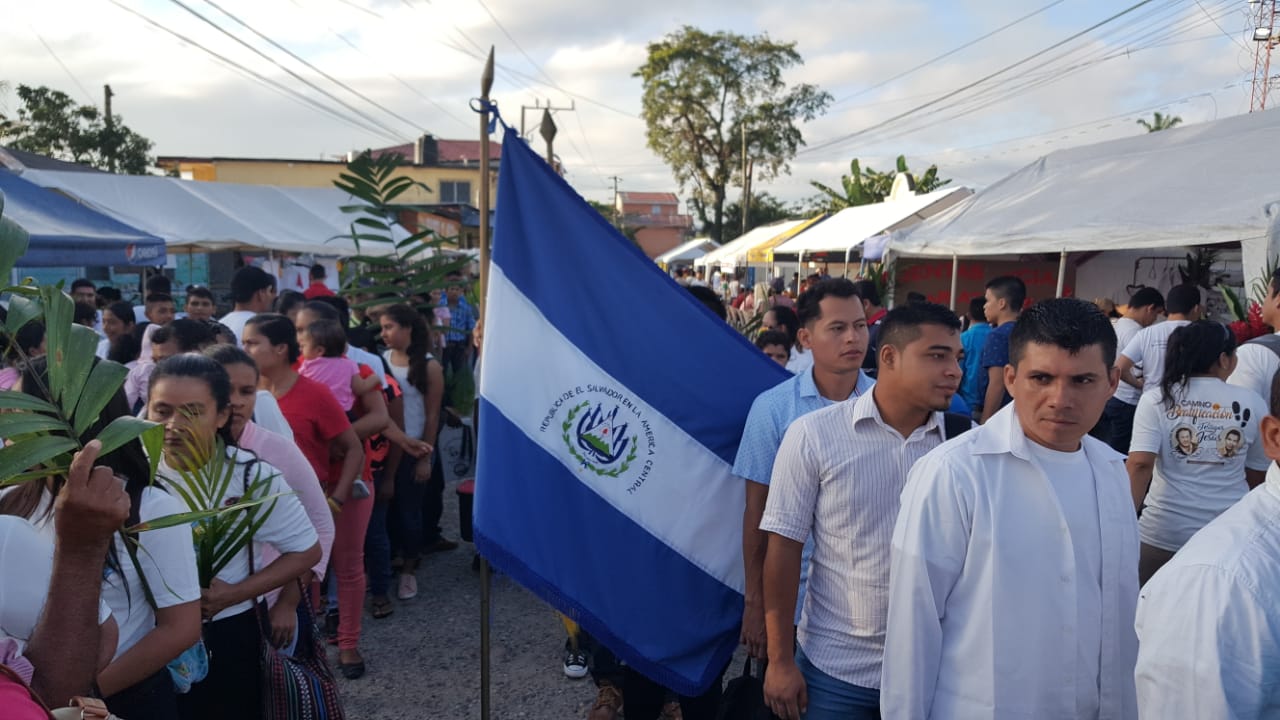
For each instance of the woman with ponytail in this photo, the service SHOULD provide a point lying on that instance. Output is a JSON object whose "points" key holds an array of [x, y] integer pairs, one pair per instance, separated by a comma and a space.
{"points": [[190, 395], [1196, 448], [421, 379]]}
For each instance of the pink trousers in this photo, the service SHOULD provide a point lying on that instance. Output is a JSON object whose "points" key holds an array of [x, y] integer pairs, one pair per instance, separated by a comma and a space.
{"points": [[347, 560]]}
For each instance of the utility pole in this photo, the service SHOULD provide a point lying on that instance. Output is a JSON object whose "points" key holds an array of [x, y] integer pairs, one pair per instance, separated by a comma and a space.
{"points": [[1265, 40], [746, 197], [111, 136], [617, 207], [548, 132], [537, 105]]}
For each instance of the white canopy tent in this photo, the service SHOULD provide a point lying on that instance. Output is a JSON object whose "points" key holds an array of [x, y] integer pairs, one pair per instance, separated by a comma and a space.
{"points": [[847, 229], [688, 251], [733, 253], [1216, 182], [206, 216]]}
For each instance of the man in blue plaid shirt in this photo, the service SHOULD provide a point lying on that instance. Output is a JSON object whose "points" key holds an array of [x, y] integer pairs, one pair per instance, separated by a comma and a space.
{"points": [[462, 321]]}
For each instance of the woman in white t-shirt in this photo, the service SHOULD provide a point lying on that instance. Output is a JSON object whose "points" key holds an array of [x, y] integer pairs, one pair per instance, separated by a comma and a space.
{"points": [[191, 396], [1196, 448], [421, 380], [158, 612]]}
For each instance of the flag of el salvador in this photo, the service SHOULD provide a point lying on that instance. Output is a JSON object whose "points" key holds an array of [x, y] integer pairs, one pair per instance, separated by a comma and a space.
{"points": [[612, 406]]}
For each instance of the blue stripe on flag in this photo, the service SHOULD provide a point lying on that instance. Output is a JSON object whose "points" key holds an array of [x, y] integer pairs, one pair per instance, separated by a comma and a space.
{"points": [[620, 309], [550, 532]]}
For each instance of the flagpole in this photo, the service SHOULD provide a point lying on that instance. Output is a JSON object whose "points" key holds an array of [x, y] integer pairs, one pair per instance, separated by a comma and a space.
{"points": [[486, 84]]}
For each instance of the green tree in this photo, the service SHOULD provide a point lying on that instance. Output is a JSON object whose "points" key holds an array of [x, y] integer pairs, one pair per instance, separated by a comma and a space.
{"points": [[703, 92], [1159, 121], [49, 122], [765, 209], [864, 187]]}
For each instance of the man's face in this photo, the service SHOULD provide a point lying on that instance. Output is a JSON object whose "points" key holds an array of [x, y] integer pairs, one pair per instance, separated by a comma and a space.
{"points": [[1271, 309], [992, 308], [199, 308], [1148, 315], [1058, 396], [264, 299], [778, 354], [164, 350], [1231, 442], [838, 338], [160, 313], [85, 294], [926, 372], [453, 292]]}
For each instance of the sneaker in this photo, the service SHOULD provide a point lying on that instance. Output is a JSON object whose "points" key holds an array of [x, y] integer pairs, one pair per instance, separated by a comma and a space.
{"points": [[408, 587], [359, 489], [575, 664], [671, 711], [608, 703]]}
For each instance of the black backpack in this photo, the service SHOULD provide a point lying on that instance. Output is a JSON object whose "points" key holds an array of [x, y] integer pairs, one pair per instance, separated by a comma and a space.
{"points": [[743, 697], [954, 425]]}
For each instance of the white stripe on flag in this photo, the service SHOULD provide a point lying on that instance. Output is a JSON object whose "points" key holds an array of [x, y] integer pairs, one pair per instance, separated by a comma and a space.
{"points": [[664, 480]]}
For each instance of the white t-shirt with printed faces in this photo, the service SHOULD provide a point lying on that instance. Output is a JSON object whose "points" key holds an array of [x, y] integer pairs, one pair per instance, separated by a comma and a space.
{"points": [[1073, 483], [1203, 443]]}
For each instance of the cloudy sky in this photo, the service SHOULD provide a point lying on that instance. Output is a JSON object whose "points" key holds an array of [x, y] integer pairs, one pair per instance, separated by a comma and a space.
{"points": [[417, 63]]}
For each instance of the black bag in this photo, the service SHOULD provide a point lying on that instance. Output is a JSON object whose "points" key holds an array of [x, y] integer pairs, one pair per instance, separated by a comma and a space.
{"points": [[743, 698], [954, 425]]}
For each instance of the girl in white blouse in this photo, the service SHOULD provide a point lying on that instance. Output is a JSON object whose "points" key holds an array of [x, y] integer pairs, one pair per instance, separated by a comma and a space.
{"points": [[190, 395]]}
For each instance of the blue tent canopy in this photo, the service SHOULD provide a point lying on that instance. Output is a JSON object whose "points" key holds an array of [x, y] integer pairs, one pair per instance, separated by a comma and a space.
{"points": [[64, 232]]}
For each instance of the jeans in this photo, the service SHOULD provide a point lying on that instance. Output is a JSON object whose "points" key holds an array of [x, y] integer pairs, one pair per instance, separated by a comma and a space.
{"points": [[644, 698], [347, 561], [1118, 418], [153, 697], [432, 502], [377, 550], [409, 508], [832, 699], [233, 687]]}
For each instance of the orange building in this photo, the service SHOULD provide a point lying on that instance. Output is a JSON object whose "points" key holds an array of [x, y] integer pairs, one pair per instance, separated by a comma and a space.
{"points": [[656, 218]]}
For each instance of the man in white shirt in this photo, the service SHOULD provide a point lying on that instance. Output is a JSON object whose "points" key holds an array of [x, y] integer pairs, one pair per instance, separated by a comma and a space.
{"points": [[1208, 622], [1147, 348], [1145, 308], [1258, 360], [1015, 556], [253, 291], [837, 479], [833, 324]]}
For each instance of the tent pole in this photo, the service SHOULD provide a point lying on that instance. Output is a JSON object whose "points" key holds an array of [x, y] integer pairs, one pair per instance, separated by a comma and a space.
{"points": [[847, 252], [955, 279], [1062, 273], [486, 84]]}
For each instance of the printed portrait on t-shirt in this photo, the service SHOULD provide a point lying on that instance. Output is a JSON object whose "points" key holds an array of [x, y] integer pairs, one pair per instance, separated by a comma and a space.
{"points": [[1185, 442], [1231, 444]]}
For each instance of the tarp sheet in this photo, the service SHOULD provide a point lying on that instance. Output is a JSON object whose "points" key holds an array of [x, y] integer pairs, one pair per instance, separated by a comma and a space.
{"points": [[734, 253], [1194, 185], [850, 227], [686, 251], [216, 216], [65, 233]]}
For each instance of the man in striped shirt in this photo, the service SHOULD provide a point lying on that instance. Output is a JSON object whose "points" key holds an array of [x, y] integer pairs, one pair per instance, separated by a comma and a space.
{"points": [[837, 480]]}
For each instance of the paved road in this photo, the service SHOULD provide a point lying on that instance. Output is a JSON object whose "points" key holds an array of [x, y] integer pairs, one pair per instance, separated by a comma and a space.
{"points": [[424, 660]]}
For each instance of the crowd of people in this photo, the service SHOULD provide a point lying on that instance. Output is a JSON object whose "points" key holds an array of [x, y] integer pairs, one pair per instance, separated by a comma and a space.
{"points": [[333, 413], [1037, 510], [1079, 540]]}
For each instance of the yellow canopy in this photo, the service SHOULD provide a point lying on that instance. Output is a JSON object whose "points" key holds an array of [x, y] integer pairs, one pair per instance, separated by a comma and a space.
{"points": [[763, 253]]}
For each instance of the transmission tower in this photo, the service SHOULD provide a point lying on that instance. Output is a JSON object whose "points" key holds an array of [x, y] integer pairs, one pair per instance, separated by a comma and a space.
{"points": [[1263, 16]]}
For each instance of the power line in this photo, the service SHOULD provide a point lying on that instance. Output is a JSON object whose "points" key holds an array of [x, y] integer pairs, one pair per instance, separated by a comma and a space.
{"points": [[1225, 34], [978, 82], [949, 53], [385, 128], [65, 69], [503, 28], [322, 73], [257, 77]]}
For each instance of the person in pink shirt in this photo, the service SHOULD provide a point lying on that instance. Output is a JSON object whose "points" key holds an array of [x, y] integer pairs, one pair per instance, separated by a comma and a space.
{"points": [[323, 345], [285, 456]]}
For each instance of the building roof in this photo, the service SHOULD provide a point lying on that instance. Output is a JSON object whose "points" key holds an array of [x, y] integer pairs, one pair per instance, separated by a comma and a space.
{"points": [[19, 160], [649, 197], [451, 151]]}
